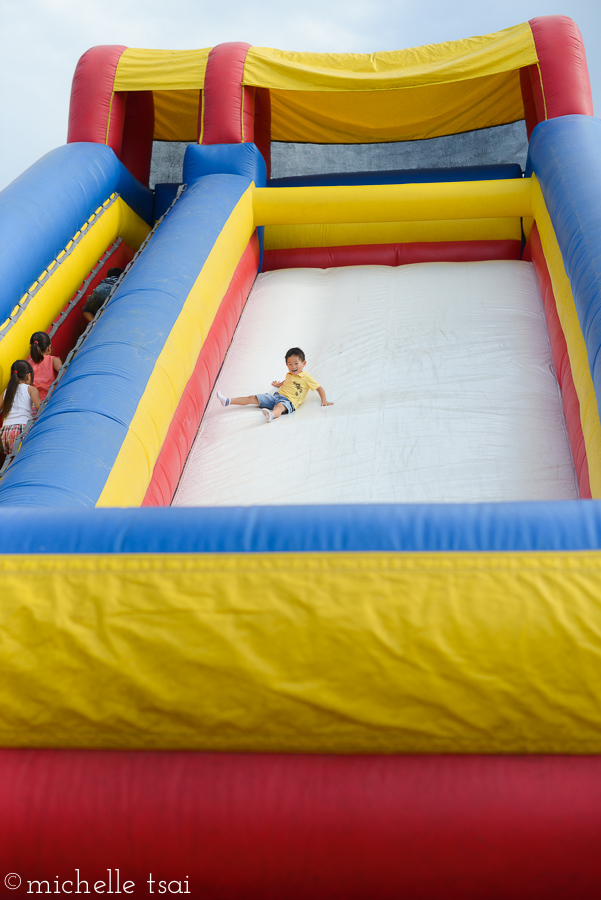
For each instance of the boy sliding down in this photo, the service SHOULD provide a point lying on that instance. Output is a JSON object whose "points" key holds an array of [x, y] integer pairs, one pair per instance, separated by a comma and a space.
{"points": [[290, 394]]}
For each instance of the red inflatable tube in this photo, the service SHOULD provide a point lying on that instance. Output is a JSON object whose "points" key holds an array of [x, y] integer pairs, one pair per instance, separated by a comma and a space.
{"points": [[93, 102], [563, 67], [276, 827], [222, 97], [564, 71], [130, 117], [390, 254], [191, 407], [561, 362]]}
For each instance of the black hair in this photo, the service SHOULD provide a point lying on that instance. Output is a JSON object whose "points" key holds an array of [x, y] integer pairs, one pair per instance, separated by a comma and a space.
{"points": [[296, 351], [39, 341], [19, 371], [114, 273]]}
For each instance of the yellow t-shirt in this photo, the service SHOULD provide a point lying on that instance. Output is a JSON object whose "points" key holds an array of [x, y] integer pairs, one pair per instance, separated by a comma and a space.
{"points": [[296, 387]]}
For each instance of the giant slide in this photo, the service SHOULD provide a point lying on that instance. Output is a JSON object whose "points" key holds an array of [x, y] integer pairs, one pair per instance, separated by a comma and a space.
{"points": [[355, 652]]}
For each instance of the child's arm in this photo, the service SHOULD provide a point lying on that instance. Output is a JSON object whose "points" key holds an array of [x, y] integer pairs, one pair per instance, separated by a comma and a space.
{"points": [[56, 364], [322, 394], [35, 396], [277, 383]]}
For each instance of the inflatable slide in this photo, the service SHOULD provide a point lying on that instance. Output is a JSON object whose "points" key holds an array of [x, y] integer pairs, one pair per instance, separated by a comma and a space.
{"points": [[355, 652]]}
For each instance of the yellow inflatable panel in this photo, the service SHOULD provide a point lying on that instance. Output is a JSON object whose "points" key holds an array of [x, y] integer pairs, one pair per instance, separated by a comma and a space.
{"points": [[366, 117], [285, 237], [393, 202], [313, 652], [176, 115]]}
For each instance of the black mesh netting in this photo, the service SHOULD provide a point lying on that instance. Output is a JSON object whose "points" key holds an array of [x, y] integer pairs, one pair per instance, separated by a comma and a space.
{"points": [[487, 146]]}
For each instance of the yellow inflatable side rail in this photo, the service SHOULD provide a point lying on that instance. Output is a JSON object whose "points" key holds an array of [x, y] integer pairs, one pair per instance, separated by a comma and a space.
{"points": [[114, 219]]}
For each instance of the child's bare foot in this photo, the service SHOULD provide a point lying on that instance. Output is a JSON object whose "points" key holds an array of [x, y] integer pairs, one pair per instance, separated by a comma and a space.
{"points": [[268, 415], [225, 401]]}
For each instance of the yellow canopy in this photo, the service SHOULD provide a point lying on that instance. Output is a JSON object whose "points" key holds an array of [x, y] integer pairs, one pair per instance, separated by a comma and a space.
{"points": [[387, 71], [403, 95], [334, 98], [163, 70]]}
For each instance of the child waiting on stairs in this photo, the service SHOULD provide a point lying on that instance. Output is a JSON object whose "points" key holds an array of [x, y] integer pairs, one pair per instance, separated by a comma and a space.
{"points": [[16, 403]]}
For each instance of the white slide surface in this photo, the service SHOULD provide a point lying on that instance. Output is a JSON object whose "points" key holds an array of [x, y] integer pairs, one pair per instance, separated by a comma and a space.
{"points": [[442, 381]]}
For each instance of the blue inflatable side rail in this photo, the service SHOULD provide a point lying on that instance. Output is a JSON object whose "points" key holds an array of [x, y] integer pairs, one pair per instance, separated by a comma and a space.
{"points": [[380, 528], [45, 206]]}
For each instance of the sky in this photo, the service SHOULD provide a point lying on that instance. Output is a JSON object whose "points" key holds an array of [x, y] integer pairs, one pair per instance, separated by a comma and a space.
{"points": [[43, 40]]}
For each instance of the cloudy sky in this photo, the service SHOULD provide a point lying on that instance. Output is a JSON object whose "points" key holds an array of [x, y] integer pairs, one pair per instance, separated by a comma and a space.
{"points": [[43, 39]]}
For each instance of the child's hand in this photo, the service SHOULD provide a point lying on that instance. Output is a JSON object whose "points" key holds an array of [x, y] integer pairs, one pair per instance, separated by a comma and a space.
{"points": [[322, 397], [277, 383]]}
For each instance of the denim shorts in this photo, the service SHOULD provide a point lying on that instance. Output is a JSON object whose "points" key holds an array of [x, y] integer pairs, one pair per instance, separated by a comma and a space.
{"points": [[268, 401]]}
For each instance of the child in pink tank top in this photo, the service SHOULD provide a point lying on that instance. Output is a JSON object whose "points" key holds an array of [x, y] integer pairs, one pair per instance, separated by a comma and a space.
{"points": [[44, 364]]}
